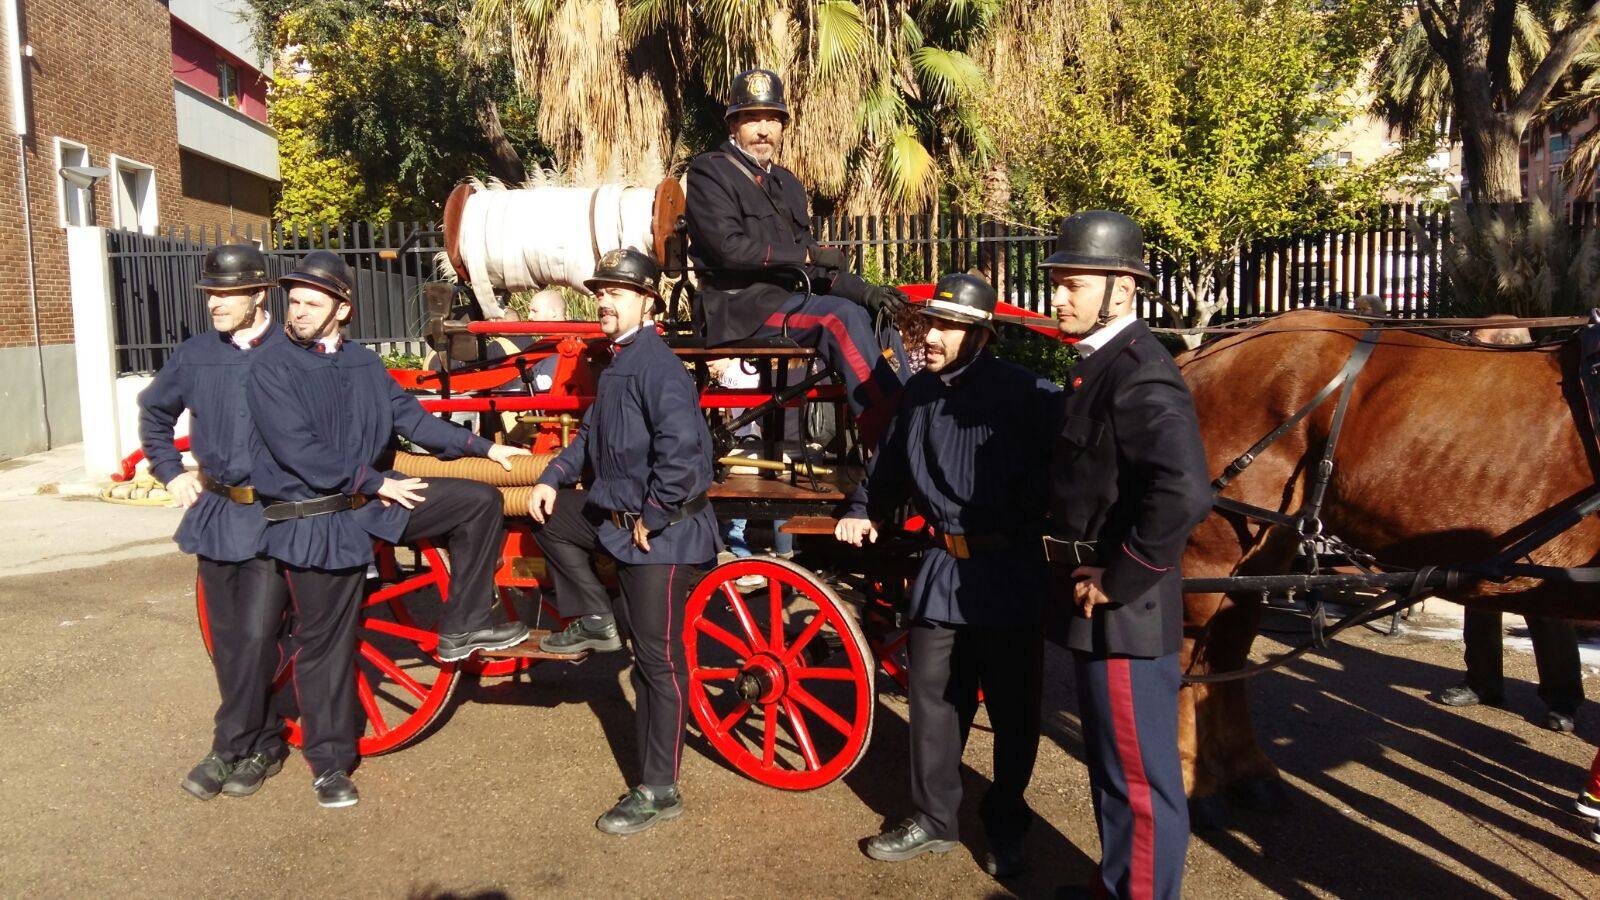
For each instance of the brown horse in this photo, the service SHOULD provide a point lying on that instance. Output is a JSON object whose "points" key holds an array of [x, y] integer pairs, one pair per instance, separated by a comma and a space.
{"points": [[1445, 451]]}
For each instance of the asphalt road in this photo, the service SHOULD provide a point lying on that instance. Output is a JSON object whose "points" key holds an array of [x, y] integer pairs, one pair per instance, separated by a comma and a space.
{"points": [[106, 697]]}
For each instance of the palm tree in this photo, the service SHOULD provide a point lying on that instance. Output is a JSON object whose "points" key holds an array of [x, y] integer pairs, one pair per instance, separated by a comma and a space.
{"points": [[882, 90], [1488, 66]]}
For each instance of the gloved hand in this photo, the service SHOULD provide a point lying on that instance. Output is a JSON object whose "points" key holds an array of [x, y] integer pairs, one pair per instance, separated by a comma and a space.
{"points": [[880, 297], [829, 258]]}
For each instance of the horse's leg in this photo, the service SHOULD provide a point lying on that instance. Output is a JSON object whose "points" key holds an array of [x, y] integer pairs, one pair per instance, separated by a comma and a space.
{"points": [[1226, 755]]}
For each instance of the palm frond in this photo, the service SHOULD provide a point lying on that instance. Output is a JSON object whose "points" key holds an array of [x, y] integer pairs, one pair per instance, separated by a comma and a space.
{"points": [[841, 37], [946, 74], [910, 173]]}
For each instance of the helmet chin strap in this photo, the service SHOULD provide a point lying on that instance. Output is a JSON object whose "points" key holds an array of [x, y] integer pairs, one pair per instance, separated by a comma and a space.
{"points": [[319, 334], [971, 345]]}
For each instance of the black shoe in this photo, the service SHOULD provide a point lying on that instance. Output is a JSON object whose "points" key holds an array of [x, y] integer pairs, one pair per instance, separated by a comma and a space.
{"points": [[578, 637], [252, 772], [456, 647], [909, 841], [1461, 695], [639, 809], [1558, 721], [335, 790], [1005, 858], [1075, 892], [206, 778]]}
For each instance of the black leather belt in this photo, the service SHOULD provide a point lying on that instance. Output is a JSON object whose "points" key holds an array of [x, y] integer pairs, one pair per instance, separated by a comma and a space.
{"points": [[966, 546], [1071, 553], [243, 494], [690, 507], [317, 506]]}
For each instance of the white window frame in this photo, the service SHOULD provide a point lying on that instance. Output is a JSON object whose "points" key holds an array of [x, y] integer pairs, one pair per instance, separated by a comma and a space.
{"points": [[149, 213], [85, 197]]}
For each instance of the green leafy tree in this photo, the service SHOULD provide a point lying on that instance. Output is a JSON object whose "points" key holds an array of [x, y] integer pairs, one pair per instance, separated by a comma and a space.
{"points": [[382, 97], [1208, 121]]}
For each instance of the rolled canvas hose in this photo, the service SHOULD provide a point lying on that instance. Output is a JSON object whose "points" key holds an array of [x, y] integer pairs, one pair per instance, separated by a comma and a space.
{"points": [[525, 470]]}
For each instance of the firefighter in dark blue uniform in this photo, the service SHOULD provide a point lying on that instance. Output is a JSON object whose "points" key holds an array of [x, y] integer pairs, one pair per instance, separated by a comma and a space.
{"points": [[646, 443], [222, 524], [327, 412], [1128, 484], [969, 446], [746, 213]]}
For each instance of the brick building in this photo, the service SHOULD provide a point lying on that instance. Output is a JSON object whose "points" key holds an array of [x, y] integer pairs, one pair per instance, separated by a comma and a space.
{"points": [[163, 106]]}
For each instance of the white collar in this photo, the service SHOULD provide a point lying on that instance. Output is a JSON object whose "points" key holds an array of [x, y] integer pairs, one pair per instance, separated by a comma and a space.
{"points": [[330, 344], [246, 339], [627, 336], [765, 167], [1104, 334]]}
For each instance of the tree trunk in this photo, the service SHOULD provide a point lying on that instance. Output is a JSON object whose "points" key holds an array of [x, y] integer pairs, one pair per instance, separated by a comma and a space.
{"points": [[502, 158], [1489, 154]]}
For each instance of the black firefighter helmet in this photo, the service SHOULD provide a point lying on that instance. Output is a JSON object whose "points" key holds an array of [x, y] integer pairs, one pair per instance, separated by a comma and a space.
{"points": [[1103, 241], [757, 89], [234, 267], [324, 270], [962, 298], [629, 268]]}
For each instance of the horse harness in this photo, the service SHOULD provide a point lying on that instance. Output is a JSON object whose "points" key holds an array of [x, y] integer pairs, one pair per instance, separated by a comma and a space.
{"points": [[1400, 589]]}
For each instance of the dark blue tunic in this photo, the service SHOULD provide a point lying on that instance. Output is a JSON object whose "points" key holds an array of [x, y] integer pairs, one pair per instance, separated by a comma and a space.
{"points": [[207, 376], [646, 442], [326, 422], [973, 456]]}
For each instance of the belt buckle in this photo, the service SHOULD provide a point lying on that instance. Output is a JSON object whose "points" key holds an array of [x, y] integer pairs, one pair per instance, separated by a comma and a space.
{"points": [[956, 545], [243, 494], [358, 500]]}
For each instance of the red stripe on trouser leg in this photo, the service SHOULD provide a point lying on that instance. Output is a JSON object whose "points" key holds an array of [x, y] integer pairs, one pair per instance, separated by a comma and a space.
{"points": [[294, 676], [677, 751], [1142, 874], [1594, 777], [852, 354]]}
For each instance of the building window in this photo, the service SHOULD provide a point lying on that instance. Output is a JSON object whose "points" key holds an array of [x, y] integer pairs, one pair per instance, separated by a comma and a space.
{"points": [[133, 191], [1560, 146], [75, 204], [227, 83]]}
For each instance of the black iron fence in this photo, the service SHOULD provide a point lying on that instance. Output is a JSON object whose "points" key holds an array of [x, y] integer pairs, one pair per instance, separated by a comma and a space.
{"points": [[1270, 276], [157, 307]]}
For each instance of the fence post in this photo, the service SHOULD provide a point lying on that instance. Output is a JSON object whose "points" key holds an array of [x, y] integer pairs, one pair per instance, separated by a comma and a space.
{"points": [[95, 334]]}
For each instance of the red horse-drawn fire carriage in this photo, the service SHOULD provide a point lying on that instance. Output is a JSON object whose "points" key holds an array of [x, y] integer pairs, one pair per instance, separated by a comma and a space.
{"points": [[782, 674]]}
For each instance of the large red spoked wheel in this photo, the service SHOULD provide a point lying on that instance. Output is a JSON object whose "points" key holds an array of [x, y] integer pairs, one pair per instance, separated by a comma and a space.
{"points": [[401, 686], [780, 675]]}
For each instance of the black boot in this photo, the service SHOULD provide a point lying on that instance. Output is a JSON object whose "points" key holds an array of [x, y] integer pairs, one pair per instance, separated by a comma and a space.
{"points": [[908, 841], [641, 808], [456, 647], [206, 778], [1005, 858], [581, 635], [335, 790], [252, 772]]}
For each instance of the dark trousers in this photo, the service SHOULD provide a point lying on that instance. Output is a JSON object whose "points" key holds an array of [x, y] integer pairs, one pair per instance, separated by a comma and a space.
{"points": [[654, 599], [842, 333], [1130, 735], [245, 605], [949, 663], [1555, 652], [467, 515]]}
